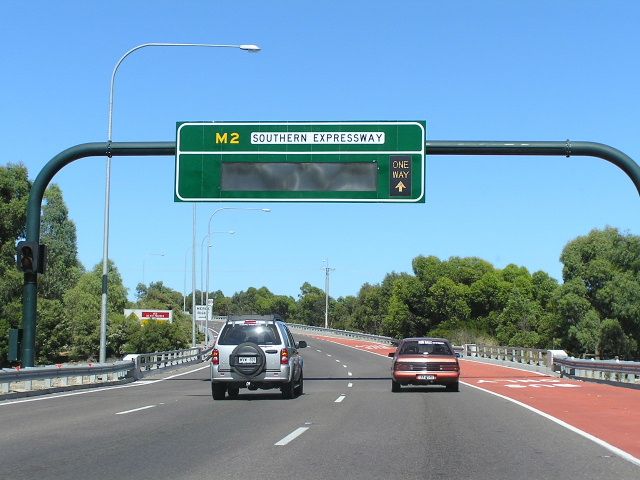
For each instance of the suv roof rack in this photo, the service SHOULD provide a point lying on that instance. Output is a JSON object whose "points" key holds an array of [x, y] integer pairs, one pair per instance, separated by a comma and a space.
{"points": [[263, 318]]}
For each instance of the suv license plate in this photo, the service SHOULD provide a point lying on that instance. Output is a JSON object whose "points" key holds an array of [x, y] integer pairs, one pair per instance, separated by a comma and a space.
{"points": [[426, 377], [245, 360]]}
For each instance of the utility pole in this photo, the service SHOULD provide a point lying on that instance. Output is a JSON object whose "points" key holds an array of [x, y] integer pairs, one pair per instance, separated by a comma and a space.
{"points": [[326, 293]]}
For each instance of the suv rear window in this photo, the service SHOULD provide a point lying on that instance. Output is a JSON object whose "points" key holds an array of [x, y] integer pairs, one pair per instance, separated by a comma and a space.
{"points": [[425, 347], [235, 334]]}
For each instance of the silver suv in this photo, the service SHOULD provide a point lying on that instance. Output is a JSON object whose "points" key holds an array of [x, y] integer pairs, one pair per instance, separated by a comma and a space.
{"points": [[256, 351]]}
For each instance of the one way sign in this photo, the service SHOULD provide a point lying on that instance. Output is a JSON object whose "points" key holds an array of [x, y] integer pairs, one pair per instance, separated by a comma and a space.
{"points": [[400, 176]]}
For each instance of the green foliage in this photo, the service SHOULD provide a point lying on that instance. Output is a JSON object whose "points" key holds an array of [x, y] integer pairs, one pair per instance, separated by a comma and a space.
{"points": [[53, 334], [14, 191], [311, 305], [122, 330], [613, 341], [58, 233], [82, 309], [157, 336]]}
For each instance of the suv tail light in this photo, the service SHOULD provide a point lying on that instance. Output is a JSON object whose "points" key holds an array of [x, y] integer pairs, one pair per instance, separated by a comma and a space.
{"points": [[284, 357], [215, 356]]}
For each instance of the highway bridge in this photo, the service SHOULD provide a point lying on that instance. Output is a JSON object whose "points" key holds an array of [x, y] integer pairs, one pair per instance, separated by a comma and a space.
{"points": [[348, 424]]}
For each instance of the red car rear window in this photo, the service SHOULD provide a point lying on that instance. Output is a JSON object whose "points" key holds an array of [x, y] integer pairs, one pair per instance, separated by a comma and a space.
{"points": [[425, 347]]}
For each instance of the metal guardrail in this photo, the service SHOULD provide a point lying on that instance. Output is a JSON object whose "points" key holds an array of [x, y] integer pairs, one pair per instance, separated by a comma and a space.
{"points": [[343, 333], [528, 356], [608, 370], [61, 377]]}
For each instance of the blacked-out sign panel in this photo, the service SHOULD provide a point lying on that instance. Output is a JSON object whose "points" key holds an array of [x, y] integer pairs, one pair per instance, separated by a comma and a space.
{"points": [[400, 176]]}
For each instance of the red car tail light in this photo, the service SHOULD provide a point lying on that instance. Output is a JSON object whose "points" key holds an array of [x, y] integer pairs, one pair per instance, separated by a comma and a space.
{"points": [[451, 367], [284, 357], [402, 366], [215, 356]]}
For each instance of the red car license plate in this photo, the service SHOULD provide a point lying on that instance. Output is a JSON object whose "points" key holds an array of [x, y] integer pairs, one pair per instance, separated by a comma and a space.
{"points": [[426, 377]]}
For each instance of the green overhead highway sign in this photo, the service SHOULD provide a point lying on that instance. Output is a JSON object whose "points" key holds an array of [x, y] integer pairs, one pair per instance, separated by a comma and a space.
{"points": [[300, 161]]}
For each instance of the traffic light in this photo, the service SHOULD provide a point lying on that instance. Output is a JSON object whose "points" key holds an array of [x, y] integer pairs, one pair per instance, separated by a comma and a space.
{"points": [[31, 257]]}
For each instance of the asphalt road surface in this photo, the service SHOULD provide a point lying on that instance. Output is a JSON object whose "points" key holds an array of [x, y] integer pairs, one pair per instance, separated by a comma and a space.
{"points": [[348, 424]]}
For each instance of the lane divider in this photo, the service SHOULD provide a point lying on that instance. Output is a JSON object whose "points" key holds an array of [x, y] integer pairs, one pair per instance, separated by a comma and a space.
{"points": [[340, 399], [349, 385], [136, 410], [292, 436]]}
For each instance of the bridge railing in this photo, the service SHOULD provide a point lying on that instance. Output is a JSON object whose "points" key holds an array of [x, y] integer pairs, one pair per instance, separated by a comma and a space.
{"points": [[33, 380], [607, 370], [528, 356], [342, 333]]}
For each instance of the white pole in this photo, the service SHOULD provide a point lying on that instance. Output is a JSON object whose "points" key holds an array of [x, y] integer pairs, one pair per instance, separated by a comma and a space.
{"points": [[193, 281], [107, 190]]}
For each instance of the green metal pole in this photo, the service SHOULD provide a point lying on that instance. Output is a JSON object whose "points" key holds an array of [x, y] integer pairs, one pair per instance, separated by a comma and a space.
{"points": [[30, 289], [133, 149], [566, 148]]}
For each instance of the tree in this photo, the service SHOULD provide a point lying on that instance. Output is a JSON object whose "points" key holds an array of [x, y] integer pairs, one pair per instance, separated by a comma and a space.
{"points": [[82, 309], [14, 191], [58, 233], [311, 305], [613, 341], [158, 336], [407, 308], [122, 335]]}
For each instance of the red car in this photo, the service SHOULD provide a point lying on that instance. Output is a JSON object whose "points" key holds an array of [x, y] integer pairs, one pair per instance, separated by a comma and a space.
{"points": [[424, 361]]}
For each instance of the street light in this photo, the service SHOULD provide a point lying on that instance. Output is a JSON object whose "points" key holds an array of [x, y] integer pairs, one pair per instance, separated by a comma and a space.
{"points": [[144, 260], [105, 240], [326, 293], [266, 210], [206, 237]]}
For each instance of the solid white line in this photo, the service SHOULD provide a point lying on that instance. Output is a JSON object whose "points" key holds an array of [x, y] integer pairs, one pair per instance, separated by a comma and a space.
{"points": [[349, 385], [602, 443], [135, 410], [292, 436], [339, 399]]}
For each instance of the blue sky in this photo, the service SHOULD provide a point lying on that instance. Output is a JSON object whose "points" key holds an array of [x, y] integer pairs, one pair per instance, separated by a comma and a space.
{"points": [[491, 70]]}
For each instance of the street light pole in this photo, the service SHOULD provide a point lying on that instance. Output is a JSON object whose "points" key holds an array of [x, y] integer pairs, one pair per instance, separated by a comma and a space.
{"points": [[266, 210], [184, 286], [202, 287], [107, 190], [326, 293]]}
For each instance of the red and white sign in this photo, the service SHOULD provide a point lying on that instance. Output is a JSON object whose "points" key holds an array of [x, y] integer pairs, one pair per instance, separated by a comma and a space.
{"points": [[148, 314]]}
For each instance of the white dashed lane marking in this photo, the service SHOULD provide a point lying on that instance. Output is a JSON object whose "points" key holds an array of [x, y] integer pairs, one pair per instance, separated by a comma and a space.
{"points": [[340, 399], [292, 436], [135, 410]]}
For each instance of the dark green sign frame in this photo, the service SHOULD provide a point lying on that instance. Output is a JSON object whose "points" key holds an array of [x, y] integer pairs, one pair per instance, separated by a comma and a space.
{"points": [[300, 161]]}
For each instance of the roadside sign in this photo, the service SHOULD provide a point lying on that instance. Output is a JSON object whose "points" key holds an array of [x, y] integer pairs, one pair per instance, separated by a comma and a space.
{"points": [[300, 161], [201, 313]]}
